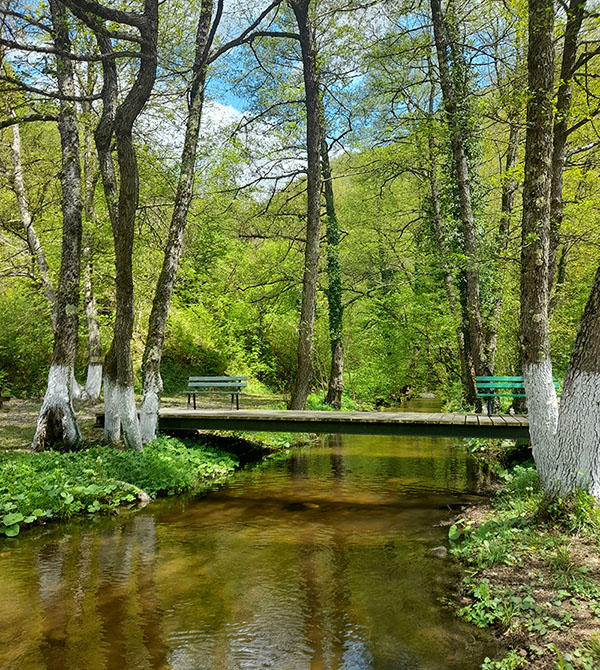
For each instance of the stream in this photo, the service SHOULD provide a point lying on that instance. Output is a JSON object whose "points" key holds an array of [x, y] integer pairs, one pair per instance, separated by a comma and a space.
{"points": [[314, 561]]}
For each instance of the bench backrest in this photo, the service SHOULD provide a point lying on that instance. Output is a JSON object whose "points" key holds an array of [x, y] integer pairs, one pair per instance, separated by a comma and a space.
{"points": [[217, 382], [485, 385]]}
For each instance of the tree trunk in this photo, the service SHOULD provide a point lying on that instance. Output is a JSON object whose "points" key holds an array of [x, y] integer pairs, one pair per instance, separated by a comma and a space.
{"points": [[467, 372], [576, 458], [122, 200], [103, 137], [509, 192], [33, 242], [304, 365], [535, 339], [152, 382], [93, 382], [466, 363], [476, 339], [57, 421], [575, 14], [334, 285]]}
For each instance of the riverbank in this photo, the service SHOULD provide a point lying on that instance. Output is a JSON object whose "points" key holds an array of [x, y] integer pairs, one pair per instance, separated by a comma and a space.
{"points": [[37, 488], [532, 574]]}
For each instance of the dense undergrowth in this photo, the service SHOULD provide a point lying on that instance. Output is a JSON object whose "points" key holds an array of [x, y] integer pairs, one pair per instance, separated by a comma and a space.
{"points": [[533, 574], [51, 485]]}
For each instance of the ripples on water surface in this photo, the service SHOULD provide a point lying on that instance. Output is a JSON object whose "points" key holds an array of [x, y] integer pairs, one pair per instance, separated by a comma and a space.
{"points": [[314, 562]]}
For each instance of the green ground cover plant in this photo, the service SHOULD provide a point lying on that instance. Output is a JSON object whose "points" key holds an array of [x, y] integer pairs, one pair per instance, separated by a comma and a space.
{"points": [[533, 573], [51, 485]]}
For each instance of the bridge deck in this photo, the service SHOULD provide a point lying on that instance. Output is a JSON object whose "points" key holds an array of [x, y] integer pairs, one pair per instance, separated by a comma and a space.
{"points": [[362, 423]]}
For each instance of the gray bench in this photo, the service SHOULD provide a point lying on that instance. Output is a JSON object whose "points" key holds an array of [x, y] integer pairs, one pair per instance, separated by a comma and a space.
{"points": [[232, 386]]}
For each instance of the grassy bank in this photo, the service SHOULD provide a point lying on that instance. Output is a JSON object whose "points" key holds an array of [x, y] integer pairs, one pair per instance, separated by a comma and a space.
{"points": [[532, 574], [35, 488]]}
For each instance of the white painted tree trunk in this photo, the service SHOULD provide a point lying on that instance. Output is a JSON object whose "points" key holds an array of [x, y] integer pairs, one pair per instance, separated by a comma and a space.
{"points": [[78, 392], [149, 412], [112, 420], [93, 383], [129, 418], [543, 415], [57, 420], [120, 413], [577, 451]]}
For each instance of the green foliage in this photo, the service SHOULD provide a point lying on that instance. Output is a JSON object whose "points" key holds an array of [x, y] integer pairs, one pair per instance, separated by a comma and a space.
{"points": [[316, 401], [25, 341], [502, 605], [578, 512], [38, 487], [585, 657], [512, 661]]}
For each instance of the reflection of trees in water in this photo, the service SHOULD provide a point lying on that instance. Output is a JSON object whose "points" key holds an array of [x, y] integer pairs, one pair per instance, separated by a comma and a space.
{"points": [[338, 466], [96, 599], [238, 583]]}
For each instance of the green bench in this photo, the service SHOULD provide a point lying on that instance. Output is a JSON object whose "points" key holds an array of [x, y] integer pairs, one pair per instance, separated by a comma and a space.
{"points": [[501, 387], [232, 386]]}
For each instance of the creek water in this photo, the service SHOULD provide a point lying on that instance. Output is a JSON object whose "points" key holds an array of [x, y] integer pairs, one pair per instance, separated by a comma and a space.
{"points": [[319, 560]]}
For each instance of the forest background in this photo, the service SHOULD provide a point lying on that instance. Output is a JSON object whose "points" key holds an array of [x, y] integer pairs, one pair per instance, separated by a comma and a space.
{"points": [[237, 299]]}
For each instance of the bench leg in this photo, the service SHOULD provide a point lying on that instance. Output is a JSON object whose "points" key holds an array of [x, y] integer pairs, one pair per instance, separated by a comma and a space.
{"points": [[237, 401], [489, 406], [194, 401]]}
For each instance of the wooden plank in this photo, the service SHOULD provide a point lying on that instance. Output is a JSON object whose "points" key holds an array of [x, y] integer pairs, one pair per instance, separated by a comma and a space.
{"points": [[509, 418], [447, 418], [499, 379], [217, 379], [360, 423], [424, 417], [195, 385]]}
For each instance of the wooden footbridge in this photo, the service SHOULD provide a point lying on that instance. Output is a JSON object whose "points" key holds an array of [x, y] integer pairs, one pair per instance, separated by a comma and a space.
{"points": [[503, 426]]}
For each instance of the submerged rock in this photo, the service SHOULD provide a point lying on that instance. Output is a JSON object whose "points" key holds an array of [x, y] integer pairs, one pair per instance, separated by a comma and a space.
{"points": [[438, 552], [300, 506]]}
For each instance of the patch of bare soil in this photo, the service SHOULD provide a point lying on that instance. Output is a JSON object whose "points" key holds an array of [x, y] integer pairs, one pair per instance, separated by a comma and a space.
{"points": [[18, 419]]}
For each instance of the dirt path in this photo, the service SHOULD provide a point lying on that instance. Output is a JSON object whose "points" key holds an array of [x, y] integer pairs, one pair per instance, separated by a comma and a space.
{"points": [[18, 417]]}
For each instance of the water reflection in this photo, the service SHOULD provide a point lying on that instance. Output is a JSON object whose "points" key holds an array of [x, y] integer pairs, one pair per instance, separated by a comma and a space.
{"points": [[315, 562]]}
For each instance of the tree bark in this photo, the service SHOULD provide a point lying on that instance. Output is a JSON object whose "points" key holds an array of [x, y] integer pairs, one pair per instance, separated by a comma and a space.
{"points": [[123, 233], [152, 382], [93, 382], [509, 192], [304, 364], [57, 421], [467, 371], [576, 458], [122, 199], [334, 284], [476, 338], [575, 14], [33, 241], [534, 330]]}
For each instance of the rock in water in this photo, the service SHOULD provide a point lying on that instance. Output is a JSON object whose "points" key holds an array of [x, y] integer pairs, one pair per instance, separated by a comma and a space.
{"points": [[438, 552]]}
